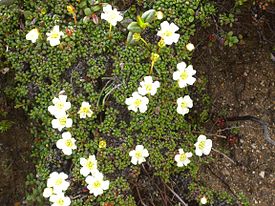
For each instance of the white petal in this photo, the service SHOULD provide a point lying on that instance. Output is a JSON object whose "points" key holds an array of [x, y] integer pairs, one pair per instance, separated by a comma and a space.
{"points": [[60, 144], [201, 138], [69, 123], [84, 171], [105, 185], [134, 160], [145, 153], [198, 152]]}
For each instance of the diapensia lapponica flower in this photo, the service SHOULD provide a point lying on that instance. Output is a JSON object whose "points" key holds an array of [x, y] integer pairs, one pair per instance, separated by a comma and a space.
{"points": [[168, 33], [85, 110], [67, 143], [203, 145], [62, 121], [112, 16], [54, 36], [60, 200], [148, 86], [33, 35], [183, 158], [184, 75], [57, 181], [184, 104], [48, 192], [138, 155], [60, 105], [89, 166], [97, 184], [137, 102], [203, 200], [190, 47]]}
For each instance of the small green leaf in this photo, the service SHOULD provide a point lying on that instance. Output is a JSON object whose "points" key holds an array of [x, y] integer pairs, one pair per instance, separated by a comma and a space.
{"points": [[28, 14], [83, 4], [88, 12], [134, 27], [96, 8], [149, 15], [191, 19]]}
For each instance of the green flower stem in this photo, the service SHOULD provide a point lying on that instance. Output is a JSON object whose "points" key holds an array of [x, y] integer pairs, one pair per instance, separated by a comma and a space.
{"points": [[151, 69], [144, 42], [110, 31]]}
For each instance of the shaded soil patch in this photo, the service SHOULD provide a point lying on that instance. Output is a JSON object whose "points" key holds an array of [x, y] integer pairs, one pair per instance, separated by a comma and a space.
{"points": [[241, 82], [15, 150]]}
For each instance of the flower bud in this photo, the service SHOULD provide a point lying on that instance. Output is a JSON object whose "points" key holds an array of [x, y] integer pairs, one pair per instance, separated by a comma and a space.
{"points": [[190, 47], [154, 57]]}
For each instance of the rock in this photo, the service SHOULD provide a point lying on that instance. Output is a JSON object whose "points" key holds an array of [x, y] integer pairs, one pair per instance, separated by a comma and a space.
{"points": [[262, 174]]}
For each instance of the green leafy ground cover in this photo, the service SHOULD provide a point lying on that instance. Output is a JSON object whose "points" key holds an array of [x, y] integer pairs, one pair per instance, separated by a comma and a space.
{"points": [[90, 65]]}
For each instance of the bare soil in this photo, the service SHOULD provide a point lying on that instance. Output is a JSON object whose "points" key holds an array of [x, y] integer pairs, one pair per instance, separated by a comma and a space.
{"points": [[15, 150], [241, 82]]}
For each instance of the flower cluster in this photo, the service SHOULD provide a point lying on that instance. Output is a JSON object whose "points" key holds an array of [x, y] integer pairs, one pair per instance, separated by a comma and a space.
{"points": [[56, 187], [58, 110], [112, 16], [203, 146], [139, 101], [95, 181], [53, 36]]}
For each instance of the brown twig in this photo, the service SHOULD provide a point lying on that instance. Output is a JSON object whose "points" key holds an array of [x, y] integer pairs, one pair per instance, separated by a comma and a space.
{"points": [[224, 155], [176, 195]]}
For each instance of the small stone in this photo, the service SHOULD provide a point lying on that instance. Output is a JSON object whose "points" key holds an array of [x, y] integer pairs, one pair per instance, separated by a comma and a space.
{"points": [[262, 174]]}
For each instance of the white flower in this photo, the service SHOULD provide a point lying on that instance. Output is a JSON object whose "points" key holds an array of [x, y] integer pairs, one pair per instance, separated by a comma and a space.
{"points": [[48, 192], [138, 155], [203, 145], [137, 102], [167, 33], [58, 182], [111, 15], [159, 15], [183, 158], [96, 184], [148, 86], [54, 36], [60, 105], [85, 110], [61, 122], [32, 35], [203, 200], [66, 144], [184, 103], [184, 75], [60, 200], [88, 165], [190, 47]]}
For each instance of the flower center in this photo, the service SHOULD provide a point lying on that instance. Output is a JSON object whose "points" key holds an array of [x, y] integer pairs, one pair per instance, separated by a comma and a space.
{"points": [[55, 36], [168, 33], [58, 181], [60, 202], [97, 184], [183, 105], [137, 102], [63, 121], [85, 109], [90, 165], [184, 75], [60, 105], [148, 87], [201, 145], [69, 143], [183, 157], [138, 154]]}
